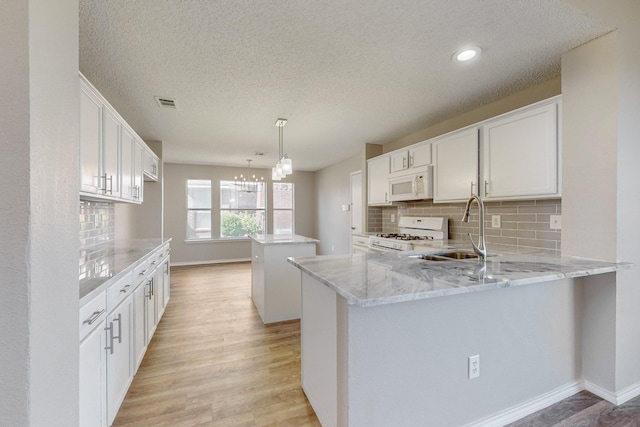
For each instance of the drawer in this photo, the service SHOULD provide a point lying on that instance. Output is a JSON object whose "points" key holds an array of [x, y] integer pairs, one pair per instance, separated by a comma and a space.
{"points": [[92, 314], [119, 291], [360, 240]]}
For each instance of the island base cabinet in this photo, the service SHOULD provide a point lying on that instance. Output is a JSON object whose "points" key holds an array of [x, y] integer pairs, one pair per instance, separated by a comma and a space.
{"points": [[406, 363], [93, 378]]}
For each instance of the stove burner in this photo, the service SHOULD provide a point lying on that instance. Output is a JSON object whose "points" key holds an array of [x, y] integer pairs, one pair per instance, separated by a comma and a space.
{"points": [[403, 236]]}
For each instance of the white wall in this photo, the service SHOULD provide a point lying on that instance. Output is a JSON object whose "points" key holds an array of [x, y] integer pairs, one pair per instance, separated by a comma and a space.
{"points": [[39, 245], [332, 190], [601, 95], [175, 183]]}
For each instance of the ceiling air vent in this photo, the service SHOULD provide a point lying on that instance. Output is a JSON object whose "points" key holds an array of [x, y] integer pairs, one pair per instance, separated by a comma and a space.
{"points": [[166, 102]]}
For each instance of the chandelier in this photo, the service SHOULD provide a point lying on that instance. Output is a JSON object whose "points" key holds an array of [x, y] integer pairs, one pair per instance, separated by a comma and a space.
{"points": [[284, 166], [246, 184]]}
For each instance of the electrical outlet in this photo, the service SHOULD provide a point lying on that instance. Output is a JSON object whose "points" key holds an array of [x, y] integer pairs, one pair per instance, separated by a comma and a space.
{"points": [[495, 221], [474, 366], [393, 218], [556, 222]]}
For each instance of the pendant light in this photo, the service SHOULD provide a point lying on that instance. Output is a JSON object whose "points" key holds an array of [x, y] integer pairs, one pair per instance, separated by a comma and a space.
{"points": [[284, 166]]}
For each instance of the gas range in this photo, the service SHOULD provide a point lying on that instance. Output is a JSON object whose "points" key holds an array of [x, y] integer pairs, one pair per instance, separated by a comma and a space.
{"points": [[412, 229]]}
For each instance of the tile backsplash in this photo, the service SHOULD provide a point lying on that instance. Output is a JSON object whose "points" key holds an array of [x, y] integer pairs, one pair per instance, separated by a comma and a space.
{"points": [[97, 226], [523, 223]]}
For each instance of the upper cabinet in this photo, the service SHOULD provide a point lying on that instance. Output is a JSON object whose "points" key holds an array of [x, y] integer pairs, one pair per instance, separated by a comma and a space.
{"points": [[412, 157], [455, 157], [378, 180], [111, 153], [151, 162], [519, 156]]}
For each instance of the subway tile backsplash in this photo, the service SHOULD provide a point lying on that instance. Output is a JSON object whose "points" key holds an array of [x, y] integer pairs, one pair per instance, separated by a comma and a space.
{"points": [[97, 226], [524, 223]]}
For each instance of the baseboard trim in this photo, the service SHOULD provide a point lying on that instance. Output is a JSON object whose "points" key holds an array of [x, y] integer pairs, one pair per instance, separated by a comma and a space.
{"points": [[529, 407], [616, 398], [212, 261]]}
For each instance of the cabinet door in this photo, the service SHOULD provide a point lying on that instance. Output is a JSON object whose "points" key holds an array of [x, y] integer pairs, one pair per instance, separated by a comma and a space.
{"points": [[378, 180], [399, 161], [455, 166], [119, 373], [138, 159], [110, 153], [90, 141], [150, 309], [420, 155], [92, 379], [164, 280], [159, 291], [126, 165], [150, 165], [139, 324], [520, 155]]}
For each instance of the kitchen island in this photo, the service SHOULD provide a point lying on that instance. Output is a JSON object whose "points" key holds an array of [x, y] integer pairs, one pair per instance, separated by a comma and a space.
{"points": [[387, 340], [275, 285]]}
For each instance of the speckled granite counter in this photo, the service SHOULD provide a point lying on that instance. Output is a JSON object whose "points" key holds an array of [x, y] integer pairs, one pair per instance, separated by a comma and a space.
{"points": [[101, 264], [376, 279], [281, 239]]}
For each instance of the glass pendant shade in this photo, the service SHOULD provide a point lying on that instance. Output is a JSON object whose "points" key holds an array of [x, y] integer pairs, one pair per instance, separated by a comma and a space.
{"points": [[274, 174], [287, 165]]}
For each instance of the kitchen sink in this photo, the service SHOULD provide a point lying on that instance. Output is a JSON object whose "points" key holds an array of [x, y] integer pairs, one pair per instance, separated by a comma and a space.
{"points": [[447, 256]]}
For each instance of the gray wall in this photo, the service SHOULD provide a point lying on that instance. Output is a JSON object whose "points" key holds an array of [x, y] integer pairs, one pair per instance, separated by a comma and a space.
{"points": [[332, 190], [175, 183], [39, 243]]}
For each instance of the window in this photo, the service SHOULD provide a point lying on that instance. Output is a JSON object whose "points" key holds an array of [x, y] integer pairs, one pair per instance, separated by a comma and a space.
{"points": [[198, 209], [242, 211], [283, 208]]}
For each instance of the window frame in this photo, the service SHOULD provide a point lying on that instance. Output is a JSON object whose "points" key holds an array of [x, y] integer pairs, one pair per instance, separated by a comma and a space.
{"points": [[188, 210], [292, 209], [221, 210]]}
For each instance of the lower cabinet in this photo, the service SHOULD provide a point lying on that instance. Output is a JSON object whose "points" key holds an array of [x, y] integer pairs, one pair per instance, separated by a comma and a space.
{"points": [[118, 350], [93, 378], [113, 346]]}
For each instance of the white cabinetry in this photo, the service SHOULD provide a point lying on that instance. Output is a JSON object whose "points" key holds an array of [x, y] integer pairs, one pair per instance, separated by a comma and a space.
{"points": [[455, 165], [359, 244], [90, 140], [112, 155], [412, 157], [151, 162], [520, 154], [378, 180], [115, 329], [93, 399], [119, 374]]}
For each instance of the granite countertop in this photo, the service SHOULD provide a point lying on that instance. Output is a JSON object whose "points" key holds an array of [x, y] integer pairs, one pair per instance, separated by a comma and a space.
{"points": [[281, 239], [103, 263], [381, 278]]}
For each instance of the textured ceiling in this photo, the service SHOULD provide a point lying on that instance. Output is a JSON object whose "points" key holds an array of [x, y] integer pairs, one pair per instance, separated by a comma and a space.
{"points": [[343, 72]]}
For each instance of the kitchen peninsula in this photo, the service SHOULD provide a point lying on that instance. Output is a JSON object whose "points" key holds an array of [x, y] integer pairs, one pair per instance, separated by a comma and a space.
{"points": [[275, 285], [389, 340]]}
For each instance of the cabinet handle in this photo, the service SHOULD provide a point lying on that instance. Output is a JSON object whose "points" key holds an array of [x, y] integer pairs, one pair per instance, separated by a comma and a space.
{"points": [[109, 330], [110, 179], [411, 160], [101, 179], [142, 273], [94, 317], [154, 262], [486, 192], [404, 163], [119, 320], [386, 197], [125, 289]]}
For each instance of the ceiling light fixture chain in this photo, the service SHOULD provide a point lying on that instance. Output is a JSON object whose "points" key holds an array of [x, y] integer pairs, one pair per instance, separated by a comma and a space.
{"points": [[284, 166]]}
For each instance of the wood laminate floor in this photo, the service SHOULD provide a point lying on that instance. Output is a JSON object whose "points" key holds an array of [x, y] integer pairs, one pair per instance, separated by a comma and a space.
{"points": [[213, 363]]}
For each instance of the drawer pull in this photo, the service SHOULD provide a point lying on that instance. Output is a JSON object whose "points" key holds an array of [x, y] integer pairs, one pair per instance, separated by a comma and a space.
{"points": [[143, 272], [125, 289], [94, 317]]}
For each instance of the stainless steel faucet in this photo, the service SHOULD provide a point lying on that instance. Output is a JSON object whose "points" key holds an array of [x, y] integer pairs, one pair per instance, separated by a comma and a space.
{"points": [[481, 248]]}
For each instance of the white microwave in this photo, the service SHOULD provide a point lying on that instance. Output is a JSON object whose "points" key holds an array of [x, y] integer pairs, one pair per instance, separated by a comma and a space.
{"points": [[415, 186]]}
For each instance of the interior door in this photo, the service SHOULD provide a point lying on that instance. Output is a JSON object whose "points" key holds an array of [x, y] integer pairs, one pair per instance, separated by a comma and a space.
{"points": [[356, 202]]}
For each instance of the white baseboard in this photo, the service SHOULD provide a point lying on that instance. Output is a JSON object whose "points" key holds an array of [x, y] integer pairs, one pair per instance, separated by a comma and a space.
{"points": [[213, 261], [529, 407], [616, 398]]}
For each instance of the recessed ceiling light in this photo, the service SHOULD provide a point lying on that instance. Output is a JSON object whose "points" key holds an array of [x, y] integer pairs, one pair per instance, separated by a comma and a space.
{"points": [[467, 54]]}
